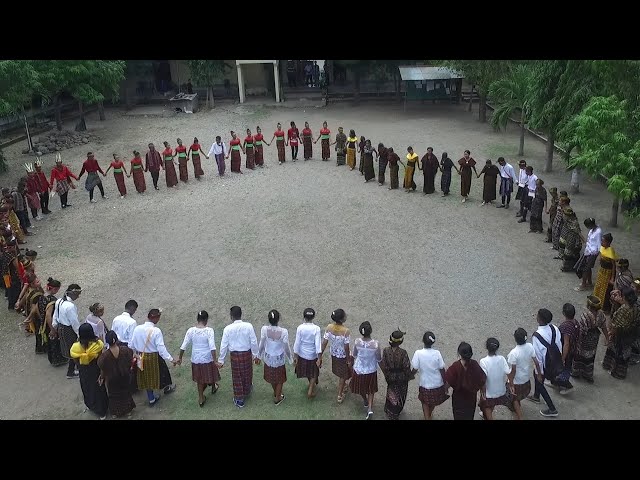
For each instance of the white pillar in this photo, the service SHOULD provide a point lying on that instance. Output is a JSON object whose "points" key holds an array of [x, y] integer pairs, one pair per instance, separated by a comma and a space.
{"points": [[240, 83], [276, 76]]}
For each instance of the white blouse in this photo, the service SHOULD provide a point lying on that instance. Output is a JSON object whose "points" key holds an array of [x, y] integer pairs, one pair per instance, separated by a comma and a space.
{"points": [[308, 343], [337, 344], [366, 356], [203, 342], [274, 346]]}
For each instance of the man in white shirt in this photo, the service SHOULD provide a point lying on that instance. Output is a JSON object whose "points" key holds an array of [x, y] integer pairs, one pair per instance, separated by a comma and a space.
{"points": [[591, 250], [220, 150], [147, 341], [548, 332], [124, 324], [507, 179], [239, 338], [528, 193], [65, 322], [522, 184], [520, 359]]}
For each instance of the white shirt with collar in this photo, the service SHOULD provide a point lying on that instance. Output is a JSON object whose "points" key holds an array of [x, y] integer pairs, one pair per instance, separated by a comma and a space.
{"points": [[308, 344], [218, 149], [594, 240], [155, 343], [238, 337], [66, 313], [531, 182], [124, 325], [507, 171], [545, 332]]}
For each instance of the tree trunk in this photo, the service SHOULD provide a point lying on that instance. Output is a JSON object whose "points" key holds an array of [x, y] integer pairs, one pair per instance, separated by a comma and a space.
{"points": [[551, 142], [575, 180], [82, 125], [101, 111], [210, 97], [356, 87], [613, 221], [58, 112], [482, 108], [523, 130]]}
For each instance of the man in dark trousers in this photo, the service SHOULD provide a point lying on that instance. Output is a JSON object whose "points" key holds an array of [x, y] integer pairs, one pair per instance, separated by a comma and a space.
{"points": [[153, 164]]}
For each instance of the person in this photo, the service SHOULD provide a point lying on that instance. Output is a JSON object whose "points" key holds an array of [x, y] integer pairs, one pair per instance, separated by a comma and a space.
{"points": [[30, 305], [523, 178], [491, 173], [10, 217], [65, 321], [181, 153], [273, 350], [445, 168], [337, 336], [115, 368], [520, 359], [623, 280], [592, 322], [239, 339], [528, 193], [37, 314], [147, 343], [507, 179], [366, 355], [367, 162], [383, 161], [32, 191], [316, 74], [552, 210], [138, 173], [61, 175], [92, 168], [95, 320], [430, 167], [569, 330], [278, 135], [153, 164], [546, 335], [291, 73], [220, 151], [556, 229], [341, 147], [249, 148], [429, 363], [259, 141], [325, 138], [352, 142], [308, 74], [20, 207], [306, 350], [293, 136], [606, 272], [86, 352], [494, 392], [307, 141], [118, 169], [169, 166], [361, 145], [47, 332], [235, 146], [623, 332], [9, 270], [124, 324], [412, 158], [538, 206], [587, 260], [570, 242], [203, 356], [466, 164], [43, 187], [466, 377], [396, 368]]}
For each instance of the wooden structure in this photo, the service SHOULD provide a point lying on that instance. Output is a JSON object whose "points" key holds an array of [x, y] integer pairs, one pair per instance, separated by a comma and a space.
{"points": [[185, 102], [431, 83]]}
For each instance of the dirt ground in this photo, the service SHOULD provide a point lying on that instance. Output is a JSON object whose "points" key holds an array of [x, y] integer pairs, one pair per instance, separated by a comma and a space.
{"points": [[305, 234]]}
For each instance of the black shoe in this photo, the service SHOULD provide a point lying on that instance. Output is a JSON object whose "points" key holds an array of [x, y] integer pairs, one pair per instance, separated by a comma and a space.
{"points": [[499, 206], [549, 413], [522, 220]]}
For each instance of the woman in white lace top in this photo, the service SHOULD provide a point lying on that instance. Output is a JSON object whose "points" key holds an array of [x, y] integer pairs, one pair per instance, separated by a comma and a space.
{"points": [[366, 355], [337, 337], [274, 349], [203, 356]]}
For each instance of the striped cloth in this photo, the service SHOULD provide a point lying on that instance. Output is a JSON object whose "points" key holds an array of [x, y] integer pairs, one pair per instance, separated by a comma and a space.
{"points": [[241, 373]]}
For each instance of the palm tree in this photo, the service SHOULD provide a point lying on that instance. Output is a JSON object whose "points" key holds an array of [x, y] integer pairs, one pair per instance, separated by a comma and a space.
{"points": [[511, 93]]}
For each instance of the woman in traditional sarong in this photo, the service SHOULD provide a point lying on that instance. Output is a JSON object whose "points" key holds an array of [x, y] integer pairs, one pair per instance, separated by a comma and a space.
{"points": [[394, 159], [181, 153], [119, 171], [623, 279], [570, 240], [9, 270], [86, 352], [9, 216], [307, 141], [466, 377], [467, 163], [62, 177], [446, 164], [338, 338], [137, 170], [552, 211], [606, 273], [396, 367], [623, 332], [366, 356], [278, 135], [259, 141], [591, 323], [341, 147], [383, 161], [352, 145], [412, 159], [274, 349], [194, 151], [429, 363], [325, 139], [30, 305], [306, 349], [26, 271], [430, 167], [367, 169], [361, 145], [556, 228], [491, 174], [49, 341], [249, 148], [169, 166], [115, 369], [538, 206], [235, 147]]}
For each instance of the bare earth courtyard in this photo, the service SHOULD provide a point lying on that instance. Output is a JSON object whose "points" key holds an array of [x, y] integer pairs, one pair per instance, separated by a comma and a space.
{"points": [[299, 235]]}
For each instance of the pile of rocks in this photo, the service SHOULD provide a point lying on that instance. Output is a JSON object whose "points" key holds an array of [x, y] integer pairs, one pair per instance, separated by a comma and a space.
{"points": [[57, 141]]}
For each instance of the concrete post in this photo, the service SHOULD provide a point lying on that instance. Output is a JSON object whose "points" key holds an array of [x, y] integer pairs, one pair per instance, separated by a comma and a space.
{"points": [[240, 84], [276, 76]]}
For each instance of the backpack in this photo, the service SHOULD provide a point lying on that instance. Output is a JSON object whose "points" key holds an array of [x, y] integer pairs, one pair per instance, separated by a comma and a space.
{"points": [[553, 364]]}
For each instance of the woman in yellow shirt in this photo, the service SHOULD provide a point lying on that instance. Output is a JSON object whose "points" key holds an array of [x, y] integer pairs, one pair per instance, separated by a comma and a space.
{"points": [[352, 143], [86, 352], [606, 272], [412, 159]]}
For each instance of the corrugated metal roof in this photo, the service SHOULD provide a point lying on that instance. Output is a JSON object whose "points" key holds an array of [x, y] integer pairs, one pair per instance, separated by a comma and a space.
{"points": [[411, 73]]}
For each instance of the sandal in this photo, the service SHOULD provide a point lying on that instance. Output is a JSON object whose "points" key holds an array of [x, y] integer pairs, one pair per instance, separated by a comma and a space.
{"points": [[340, 398], [203, 402], [214, 388]]}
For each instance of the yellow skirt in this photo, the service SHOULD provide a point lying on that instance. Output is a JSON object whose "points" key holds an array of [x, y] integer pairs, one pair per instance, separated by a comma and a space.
{"points": [[602, 283], [408, 177], [15, 226], [351, 157]]}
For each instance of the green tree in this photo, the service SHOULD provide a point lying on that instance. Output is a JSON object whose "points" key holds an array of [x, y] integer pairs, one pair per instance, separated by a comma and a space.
{"points": [[207, 73], [358, 67]]}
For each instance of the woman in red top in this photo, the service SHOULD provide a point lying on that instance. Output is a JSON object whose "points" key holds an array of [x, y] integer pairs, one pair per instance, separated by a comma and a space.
{"points": [[62, 176], [33, 191], [169, 166], [259, 140], [307, 140], [325, 136], [293, 136], [235, 146], [137, 171], [181, 153], [280, 143], [195, 150], [118, 169], [43, 187], [248, 147]]}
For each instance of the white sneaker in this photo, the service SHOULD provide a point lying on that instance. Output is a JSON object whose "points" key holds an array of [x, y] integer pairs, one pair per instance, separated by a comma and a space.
{"points": [[38, 218], [121, 196], [93, 200], [106, 197]]}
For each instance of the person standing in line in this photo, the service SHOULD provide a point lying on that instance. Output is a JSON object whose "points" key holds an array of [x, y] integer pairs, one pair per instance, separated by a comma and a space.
{"points": [[570, 331], [412, 159], [366, 355], [43, 187], [95, 320], [606, 273], [491, 174], [367, 161], [86, 352], [341, 147], [181, 153], [623, 333], [467, 163], [529, 192], [306, 350], [433, 386], [92, 168], [494, 392], [538, 206], [338, 338], [466, 377], [394, 159], [249, 149], [124, 324], [546, 335], [307, 142], [430, 167], [138, 173], [383, 161], [115, 370], [43, 329], [623, 280], [119, 171], [520, 360], [591, 323], [446, 164], [570, 241], [61, 175], [396, 367], [9, 265], [169, 166], [325, 138], [274, 349], [352, 144], [65, 322], [220, 151], [278, 135], [153, 164], [361, 145], [552, 210], [20, 207], [507, 179], [194, 151], [32, 191], [521, 193], [235, 146], [259, 140], [239, 339], [556, 229], [293, 138]]}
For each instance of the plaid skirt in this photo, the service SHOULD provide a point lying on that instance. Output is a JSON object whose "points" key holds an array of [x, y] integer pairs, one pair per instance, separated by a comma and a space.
{"points": [[275, 375], [340, 368], [432, 397], [522, 391], [586, 262], [307, 369], [364, 384], [241, 373], [205, 373], [67, 338], [92, 181], [250, 161], [506, 400], [308, 147], [326, 151], [259, 156], [280, 147], [62, 187]]}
